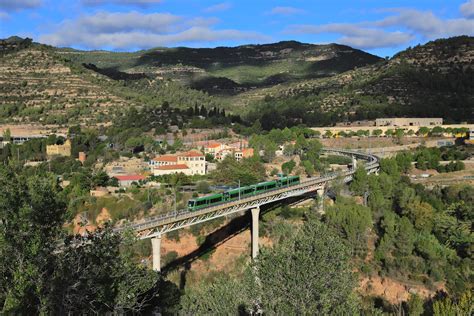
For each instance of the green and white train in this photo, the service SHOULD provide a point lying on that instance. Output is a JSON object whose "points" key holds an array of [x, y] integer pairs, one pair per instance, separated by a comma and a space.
{"points": [[242, 192]]}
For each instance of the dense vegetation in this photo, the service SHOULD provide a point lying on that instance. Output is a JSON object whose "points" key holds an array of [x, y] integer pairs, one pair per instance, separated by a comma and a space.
{"points": [[421, 235], [50, 273]]}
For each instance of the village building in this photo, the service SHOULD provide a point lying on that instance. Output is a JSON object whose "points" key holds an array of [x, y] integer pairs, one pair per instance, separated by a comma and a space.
{"points": [[127, 180], [220, 151], [405, 121], [190, 163], [59, 150]]}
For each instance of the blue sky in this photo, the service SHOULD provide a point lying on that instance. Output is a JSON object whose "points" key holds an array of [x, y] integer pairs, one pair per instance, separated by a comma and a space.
{"points": [[380, 27]]}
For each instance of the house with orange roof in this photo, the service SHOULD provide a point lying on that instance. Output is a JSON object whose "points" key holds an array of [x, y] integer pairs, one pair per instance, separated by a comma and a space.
{"points": [[211, 147], [190, 163]]}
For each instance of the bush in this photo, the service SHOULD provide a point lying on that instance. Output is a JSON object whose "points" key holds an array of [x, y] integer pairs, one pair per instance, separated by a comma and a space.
{"points": [[170, 257]]}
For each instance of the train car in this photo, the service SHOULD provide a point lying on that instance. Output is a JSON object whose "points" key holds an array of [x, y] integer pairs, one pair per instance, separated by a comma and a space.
{"points": [[205, 201], [243, 192], [288, 181], [265, 186]]}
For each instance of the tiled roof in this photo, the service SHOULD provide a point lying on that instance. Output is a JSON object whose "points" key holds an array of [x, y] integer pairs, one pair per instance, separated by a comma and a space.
{"points": [[213, 145], [192, 153], [167, 158], [130, 177], [172, 167]]}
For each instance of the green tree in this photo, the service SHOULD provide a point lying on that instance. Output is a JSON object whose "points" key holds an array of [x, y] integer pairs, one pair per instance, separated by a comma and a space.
{"points": [[360, 182], [288, 166], [93, 276], [224, 296], [308, 167], [415, 305], [353, 222], [377, 132], [29, 207], [203, 187], [309, 274], [7, 135], [49, 274], [423, 131]]}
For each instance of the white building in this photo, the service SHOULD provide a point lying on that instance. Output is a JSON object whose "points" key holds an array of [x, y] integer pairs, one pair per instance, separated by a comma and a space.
{"points": [[412, 121], [190, 163]]}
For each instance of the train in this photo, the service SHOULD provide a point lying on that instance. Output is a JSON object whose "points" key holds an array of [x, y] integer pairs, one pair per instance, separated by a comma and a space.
{"points": [[242, 192]]}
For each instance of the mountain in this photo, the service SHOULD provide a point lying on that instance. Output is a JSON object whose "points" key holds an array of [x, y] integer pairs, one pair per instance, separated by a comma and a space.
{"points": [[281, 84], [435, 79], [231, 70]]}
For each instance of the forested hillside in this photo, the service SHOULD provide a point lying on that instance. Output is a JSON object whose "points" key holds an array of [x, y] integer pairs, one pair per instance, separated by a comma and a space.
{"points": [[432, 80]]}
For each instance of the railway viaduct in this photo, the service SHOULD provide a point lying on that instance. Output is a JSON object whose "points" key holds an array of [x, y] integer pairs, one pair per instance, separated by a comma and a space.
{"points": [[154, 227]]}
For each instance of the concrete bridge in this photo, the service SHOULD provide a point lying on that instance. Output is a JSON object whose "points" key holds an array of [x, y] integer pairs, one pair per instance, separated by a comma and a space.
{"points": [[154, 227]]}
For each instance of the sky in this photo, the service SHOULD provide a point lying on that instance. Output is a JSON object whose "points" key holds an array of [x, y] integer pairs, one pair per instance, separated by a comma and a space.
{"points": [[379, 27]]}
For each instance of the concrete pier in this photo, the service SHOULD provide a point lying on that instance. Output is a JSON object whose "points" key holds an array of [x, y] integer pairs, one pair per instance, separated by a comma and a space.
{"points": [[156, 252], [320, 193], [354, 163], [255, 216]]}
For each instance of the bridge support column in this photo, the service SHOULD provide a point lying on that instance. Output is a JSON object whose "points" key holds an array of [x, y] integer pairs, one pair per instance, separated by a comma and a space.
{"points": [[320, 193], [354, 162], [156, 252], [255, 216]]}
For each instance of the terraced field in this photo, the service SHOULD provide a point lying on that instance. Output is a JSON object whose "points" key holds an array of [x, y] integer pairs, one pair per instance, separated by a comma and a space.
{"points": [[36, 85]]}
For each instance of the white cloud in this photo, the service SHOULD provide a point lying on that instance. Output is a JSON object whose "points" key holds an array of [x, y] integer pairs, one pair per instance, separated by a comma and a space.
{"points": [[140, 30], [467, 9], [425, 23], [14, 5], [139, 3], [400, 27], [218, 7], [286, 11], [356, 36]]}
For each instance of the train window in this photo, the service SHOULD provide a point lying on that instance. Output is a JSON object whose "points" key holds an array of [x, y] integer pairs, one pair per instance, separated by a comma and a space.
{"points": [[201, 202], [248, 191], [218, 199], [234, 195], [191, 203]]}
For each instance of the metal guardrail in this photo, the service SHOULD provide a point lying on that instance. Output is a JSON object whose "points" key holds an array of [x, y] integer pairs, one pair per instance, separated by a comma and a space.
{"points": [[186, 217]]}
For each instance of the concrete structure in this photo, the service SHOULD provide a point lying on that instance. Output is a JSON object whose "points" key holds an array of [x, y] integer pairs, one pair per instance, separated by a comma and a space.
{"points": [[172, 169], [154, 227], [59, 150], [190, 163], [320, 194], [127, 180], [412, 121], [335, 130], [156, 252], [255, 216]]}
